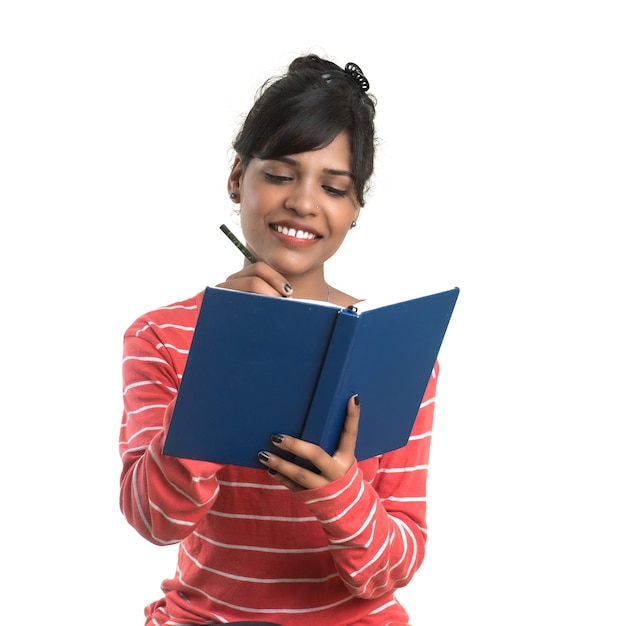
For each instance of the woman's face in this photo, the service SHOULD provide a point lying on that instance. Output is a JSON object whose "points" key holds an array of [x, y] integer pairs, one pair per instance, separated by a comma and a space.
{"points": [[296, 210]]}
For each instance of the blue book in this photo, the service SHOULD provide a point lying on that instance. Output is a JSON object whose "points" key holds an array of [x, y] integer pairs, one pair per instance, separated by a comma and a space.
{"points": [[259, 365]]}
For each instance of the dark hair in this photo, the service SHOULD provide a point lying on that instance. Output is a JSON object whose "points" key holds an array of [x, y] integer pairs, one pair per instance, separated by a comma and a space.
{"points": [[306, 109]]}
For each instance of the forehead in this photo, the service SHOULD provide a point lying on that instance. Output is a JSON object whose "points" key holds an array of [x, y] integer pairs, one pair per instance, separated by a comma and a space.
{"points": [[333, 157]]}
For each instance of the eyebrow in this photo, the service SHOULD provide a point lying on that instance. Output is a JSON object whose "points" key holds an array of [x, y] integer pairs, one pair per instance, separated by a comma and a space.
{"points": [[326, 170]]}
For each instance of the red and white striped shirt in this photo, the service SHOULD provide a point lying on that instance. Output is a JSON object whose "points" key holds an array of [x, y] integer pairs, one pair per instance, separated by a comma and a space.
{"points": [[248, 547]]}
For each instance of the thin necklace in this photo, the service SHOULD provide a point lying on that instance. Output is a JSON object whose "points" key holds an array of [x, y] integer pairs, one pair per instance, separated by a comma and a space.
{"points": [[328, 291]]}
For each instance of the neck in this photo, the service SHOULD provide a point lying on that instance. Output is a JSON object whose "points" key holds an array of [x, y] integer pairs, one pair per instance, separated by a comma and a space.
{"points": [[310, 287]]}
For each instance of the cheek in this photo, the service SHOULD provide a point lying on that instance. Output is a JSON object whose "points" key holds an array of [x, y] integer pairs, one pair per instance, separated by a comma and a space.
{"points": [[256, 202], [252, 214], [341, 222], [339, 235]]}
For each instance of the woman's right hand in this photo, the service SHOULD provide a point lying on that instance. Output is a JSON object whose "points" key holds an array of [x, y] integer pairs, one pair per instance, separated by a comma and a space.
{"points": [[258, 278]]}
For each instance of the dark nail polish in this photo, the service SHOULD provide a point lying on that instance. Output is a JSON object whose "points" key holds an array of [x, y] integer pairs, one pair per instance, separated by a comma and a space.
{"points": [[277, 438], [356, 400], [272, 471], [287, 288], [263, 456]]}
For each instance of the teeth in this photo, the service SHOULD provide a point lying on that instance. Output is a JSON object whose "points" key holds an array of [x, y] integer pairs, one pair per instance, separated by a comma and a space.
{"points": [[291, 232]]}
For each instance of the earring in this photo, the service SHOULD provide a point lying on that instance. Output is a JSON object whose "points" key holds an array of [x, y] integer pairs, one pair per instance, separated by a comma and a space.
{"points": [[232, 196], [353, 224]]}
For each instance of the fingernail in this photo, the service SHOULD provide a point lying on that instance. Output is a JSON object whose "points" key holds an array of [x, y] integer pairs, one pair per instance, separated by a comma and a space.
{"points": [[277, 438], [263, 456], [287, 288], [356, 400], [272, 471]]}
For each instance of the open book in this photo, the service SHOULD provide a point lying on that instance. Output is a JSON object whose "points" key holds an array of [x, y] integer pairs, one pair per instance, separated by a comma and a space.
{"points": [[260, 365]]}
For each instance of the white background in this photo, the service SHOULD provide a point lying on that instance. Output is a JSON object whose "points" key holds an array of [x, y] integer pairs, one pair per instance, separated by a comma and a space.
{"points": [[500, 170]]}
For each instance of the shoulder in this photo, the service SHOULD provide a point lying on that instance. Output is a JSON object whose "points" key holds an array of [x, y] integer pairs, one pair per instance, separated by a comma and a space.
{"points": [[181, 315]]}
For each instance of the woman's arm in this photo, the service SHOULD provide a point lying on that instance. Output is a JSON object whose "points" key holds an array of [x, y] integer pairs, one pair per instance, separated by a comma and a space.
{"points": [[377, 527], [162, 497]]}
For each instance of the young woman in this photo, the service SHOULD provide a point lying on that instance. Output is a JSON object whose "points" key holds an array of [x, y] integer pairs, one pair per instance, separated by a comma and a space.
{"points": [[287, 545]]}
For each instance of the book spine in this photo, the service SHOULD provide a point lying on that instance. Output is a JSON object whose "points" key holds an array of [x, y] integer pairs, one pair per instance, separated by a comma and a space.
{"points": [[325, 418]]}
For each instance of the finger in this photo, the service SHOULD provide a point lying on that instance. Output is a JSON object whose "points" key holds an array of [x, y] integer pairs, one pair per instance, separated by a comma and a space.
{"points": [[251, 284], [348, 437], [258, 278], [330, 467], [284, 480], [272, 277], [302, 449], [289, 474]]}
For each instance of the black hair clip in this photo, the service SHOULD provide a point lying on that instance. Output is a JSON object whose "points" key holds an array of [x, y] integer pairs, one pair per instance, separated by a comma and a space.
{"points": [[351, 73], [354, 71]]}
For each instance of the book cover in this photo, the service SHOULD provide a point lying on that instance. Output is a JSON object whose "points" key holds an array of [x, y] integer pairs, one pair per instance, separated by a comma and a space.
{"points": [[386, 355], [260, 365]]}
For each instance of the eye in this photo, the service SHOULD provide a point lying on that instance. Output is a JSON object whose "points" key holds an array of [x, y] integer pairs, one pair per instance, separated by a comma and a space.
{"points": [[275, 178], [332, 191]]}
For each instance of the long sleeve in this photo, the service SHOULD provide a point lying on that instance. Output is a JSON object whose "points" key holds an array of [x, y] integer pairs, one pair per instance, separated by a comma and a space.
{"points": [[162, 497], [375, 516]]}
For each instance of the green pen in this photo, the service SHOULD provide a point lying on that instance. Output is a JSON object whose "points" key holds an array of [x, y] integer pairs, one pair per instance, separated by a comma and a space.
{"points": [[234, 239]]}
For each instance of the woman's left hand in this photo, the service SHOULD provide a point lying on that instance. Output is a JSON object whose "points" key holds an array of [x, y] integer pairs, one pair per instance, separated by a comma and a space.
{"points": [[331, 468]]}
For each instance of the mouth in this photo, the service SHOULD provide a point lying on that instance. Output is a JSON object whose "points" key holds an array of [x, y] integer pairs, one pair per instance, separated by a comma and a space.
{"points": [[294, 232]]}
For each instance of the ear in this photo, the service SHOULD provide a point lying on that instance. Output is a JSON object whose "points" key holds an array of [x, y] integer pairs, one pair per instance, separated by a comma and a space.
{"points": [[234, 179]]}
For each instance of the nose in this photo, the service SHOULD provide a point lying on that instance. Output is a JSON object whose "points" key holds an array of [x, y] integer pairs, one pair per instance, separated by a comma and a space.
{"points": [[302, 198]]}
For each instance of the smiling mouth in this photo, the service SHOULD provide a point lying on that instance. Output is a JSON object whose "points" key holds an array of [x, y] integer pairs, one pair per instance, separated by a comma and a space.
{"points": [[293, 232]]}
